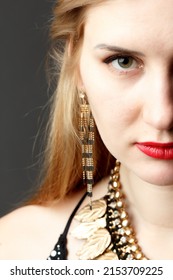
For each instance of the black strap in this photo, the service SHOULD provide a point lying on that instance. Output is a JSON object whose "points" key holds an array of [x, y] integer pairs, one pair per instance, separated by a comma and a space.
{"points": [[60, 250], [73, 214]]}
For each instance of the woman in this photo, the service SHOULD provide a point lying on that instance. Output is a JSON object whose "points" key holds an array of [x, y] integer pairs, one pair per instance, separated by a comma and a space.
{"points": [[114, 100]]}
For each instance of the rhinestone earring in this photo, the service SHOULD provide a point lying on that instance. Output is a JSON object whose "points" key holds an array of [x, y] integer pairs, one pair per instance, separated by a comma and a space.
{"points": [[86, 132]]}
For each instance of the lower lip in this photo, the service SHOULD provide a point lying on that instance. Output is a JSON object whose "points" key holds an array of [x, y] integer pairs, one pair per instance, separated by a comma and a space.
{"points": [[155, 151]]}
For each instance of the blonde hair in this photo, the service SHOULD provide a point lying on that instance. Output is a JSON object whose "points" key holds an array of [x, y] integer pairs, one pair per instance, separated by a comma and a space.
{"points": [[63, 158]]}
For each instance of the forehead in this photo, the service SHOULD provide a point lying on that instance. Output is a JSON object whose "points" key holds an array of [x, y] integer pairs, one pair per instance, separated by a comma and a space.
{"points": [[131, 20]]}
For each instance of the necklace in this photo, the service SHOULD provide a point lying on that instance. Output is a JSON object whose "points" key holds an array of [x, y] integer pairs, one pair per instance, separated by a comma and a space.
{"points": [[123, 236], [106, 228]]}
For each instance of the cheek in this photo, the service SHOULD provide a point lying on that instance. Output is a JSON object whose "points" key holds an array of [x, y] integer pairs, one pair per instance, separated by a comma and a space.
{"points": [[101, 90], [108, 92], [112, 105], [116, 119], [114, 101]]}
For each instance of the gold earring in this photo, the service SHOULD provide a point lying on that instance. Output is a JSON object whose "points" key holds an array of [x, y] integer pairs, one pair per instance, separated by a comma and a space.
{"points": [[86, 132]]}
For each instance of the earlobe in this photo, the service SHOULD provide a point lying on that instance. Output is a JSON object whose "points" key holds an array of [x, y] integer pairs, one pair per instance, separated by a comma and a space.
{"points": [[80, 84]]}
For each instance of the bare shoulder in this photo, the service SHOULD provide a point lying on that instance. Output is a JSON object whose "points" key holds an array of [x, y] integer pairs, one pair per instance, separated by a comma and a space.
{"points": [[31, 232], [23, 231], [24, 217]]}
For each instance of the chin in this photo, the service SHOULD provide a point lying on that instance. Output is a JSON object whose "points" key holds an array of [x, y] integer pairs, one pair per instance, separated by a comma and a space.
{"points": [[155, 172], [161, 182], [158, 177]]}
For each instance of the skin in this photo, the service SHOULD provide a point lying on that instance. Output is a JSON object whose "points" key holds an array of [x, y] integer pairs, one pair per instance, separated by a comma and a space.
{"points": [[133, 102], [128, 105]]}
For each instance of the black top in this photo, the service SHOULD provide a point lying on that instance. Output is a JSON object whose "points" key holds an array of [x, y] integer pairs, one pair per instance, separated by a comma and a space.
{"points": [[60, 250]]}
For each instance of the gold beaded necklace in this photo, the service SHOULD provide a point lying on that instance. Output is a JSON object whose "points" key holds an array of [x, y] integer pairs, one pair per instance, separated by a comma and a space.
{"points": [[123, 237], [106, 228]]}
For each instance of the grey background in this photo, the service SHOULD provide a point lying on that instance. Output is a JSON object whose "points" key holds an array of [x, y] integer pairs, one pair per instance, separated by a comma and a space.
{"points": [[23, 95]]}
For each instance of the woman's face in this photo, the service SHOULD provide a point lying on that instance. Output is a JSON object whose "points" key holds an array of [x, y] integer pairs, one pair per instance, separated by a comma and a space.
{"points": [[126, 68]]}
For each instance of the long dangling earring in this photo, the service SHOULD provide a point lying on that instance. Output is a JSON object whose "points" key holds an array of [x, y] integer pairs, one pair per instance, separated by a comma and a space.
{"points": [[86, 130]]}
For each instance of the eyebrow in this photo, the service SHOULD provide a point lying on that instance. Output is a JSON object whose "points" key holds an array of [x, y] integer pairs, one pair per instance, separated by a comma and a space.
{"points": [[117, 49]]}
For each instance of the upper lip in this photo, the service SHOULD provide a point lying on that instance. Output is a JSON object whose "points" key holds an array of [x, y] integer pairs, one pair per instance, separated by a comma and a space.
{"points": [[156, 144]]}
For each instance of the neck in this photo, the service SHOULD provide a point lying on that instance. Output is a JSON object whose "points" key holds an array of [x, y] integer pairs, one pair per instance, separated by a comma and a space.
{"points": [[151, 204]]}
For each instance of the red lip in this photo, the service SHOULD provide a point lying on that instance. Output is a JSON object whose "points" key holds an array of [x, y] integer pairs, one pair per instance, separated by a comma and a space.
{"points": [[157, 150]]}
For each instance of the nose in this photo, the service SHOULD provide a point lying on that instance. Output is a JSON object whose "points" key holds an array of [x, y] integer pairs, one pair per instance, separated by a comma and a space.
{"points": [[158, 107]]}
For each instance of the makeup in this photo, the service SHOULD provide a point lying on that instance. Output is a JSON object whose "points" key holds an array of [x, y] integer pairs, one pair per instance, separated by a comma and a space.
{"points": [[156, 150]]}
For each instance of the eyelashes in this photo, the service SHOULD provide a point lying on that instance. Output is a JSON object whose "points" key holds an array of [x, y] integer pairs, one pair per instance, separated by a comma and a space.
{"points": [[124, 63]]}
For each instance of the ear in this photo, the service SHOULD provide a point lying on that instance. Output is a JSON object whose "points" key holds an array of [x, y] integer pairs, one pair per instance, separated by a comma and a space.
{"points": [[69, 47], [79, 82]]}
